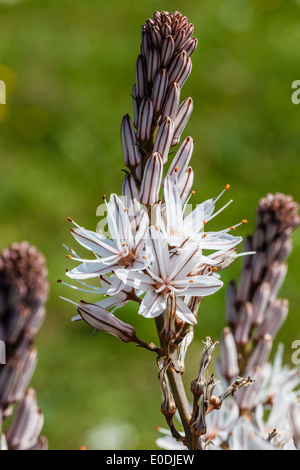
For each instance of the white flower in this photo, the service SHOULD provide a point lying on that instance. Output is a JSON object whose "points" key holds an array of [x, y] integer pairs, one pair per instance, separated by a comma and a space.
{"points": [[168, 272], [123, 250], [178, 229]]}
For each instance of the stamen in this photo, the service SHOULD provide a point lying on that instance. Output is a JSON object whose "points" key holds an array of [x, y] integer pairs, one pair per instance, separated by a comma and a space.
{"points": [[68, 300], [187, 201], [221, 193], [92, 290], [69, 219], [244, 221], [220, 210]]}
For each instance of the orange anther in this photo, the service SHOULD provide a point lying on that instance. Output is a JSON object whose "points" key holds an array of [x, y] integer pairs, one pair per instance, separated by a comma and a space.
{"points": [[227, 187]]}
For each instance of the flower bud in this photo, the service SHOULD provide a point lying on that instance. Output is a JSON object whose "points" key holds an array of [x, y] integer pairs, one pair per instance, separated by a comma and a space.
{"points": [[261, 353], [167, 51], [24, 431], [190, 45], [153, 64], [228, 355], [182, 159], [171, 105], [102, 320], [159, 90], [132, 156], [243, 324], [183, 115], [260, 301], [177, 66], [149, 193], [273, 320], [164, 138], [145, 120], [140, 78]]}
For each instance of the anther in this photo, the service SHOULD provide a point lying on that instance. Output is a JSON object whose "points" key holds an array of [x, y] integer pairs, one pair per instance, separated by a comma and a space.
{"points": [[227, 187], [244, 221], [69, 219]]}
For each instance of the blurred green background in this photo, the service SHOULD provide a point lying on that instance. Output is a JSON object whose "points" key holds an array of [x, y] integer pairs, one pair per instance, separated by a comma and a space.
{"points": [[69, 70]]}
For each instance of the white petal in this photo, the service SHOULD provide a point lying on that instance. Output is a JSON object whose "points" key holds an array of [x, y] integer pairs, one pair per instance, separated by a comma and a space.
{"points": [[200, 287], [142, 232], [183, 311], [115, 287], [152, 305], [95, 242], [158, 247], [183, 264], [88, 270], [174, 213], [135, 279], [118, 222], [217, 241]]}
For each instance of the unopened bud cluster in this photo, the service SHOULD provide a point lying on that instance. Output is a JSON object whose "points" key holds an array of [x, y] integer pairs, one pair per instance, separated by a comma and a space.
{"points": [[254, 313], [23, 293], [163, 66]]}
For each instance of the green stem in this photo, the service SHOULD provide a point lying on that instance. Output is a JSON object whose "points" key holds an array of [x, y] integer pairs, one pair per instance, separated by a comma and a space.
{"points": [[177, 387]]}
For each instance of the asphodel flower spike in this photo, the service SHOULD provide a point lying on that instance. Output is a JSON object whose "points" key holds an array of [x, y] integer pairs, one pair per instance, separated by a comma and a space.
{"points": [[156, 252]]}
